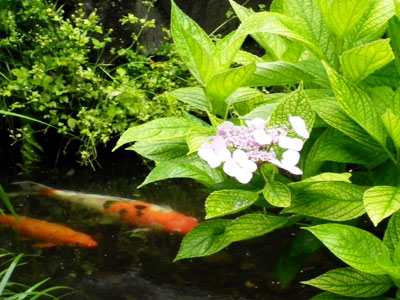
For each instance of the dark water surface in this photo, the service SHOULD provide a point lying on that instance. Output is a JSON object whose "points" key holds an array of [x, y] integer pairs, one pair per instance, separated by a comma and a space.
{"points": [[140, 267]]}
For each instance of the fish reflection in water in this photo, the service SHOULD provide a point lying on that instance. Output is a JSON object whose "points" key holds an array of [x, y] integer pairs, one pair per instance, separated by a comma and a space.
{"points": [[131, 286], [132, 212]]}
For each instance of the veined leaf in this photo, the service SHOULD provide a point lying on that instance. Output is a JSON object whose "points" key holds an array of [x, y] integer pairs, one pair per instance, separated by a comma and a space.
{"points": [[323, 177], [356, 247], [276, 23], [224, 84], [358, 105], [392, 232], [193, 96], [205, 239], [342, 15], [253, 225], [335, 201], [332, 114], [160, 150], [196, 137], [392, 124], [332, 296], [393, 29], [295, 104], [277, 194], [157, 130], [226, 50], [244, 94], [358, 63], [193, 44], [352, 283], [226, 202], [385, 76], [246, 58], [381, 202]]}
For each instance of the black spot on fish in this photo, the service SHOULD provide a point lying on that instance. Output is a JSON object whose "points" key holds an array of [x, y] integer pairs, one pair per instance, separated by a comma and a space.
{"points": [[122, 212], [139, 209]]}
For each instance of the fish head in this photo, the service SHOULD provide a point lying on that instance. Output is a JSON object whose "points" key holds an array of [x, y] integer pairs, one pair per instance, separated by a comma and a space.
{"points": [[181, 223]]}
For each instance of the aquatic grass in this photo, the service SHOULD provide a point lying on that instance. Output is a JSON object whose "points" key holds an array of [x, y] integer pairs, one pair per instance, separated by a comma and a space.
{"points": [[6, 201]]}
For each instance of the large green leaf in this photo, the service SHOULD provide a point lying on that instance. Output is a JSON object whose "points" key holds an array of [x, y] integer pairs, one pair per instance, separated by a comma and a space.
{"points": [[392, 232], [309, 15], [393, 29], [336, 201], [193, 96], [226, 202], [276, 23], [356, 247], [193, 45], [277, 194], [342, 15], [381, 202], [358, 105], [168, 128], [160, 150], [205, 239], [224, 84], [351, 282], [385, 76], [226, 50], [244, 94], [358, 63], [332, 296], [295, 104], [253, 225], [196, 137], [323, 177], [332, 114], [392, 124]]}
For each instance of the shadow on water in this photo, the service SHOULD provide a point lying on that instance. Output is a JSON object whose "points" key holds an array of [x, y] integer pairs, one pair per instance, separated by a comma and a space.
{"points": [[139, 267]]}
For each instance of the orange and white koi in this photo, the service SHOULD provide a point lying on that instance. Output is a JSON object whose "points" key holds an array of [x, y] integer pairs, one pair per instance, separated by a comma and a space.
{"points": [[133, 212], [50, 234]]}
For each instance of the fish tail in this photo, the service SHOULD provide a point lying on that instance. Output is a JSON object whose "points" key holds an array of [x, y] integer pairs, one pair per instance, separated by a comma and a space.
{"points": [[33, 188]]}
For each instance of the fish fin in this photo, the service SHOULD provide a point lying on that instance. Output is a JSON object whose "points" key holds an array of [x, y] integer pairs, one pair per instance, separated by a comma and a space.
{"points": [[46, 245], [32, 188]]}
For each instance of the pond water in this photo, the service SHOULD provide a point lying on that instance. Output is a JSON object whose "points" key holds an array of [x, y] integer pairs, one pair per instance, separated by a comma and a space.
{"points": [[140, 267]]}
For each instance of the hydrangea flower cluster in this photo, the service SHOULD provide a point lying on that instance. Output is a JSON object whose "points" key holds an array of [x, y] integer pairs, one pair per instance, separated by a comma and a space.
{"points": [[242, 148]]}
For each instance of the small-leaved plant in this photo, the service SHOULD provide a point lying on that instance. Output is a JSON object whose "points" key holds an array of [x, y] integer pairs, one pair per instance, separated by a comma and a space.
{"points": [[329, 79]]}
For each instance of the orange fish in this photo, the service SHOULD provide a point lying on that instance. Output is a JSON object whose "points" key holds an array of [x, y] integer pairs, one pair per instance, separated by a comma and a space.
{"points": [[51, 234], [128, 211]]}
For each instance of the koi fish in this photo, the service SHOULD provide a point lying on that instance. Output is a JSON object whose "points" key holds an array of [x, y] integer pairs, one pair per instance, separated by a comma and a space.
{"points": [[132, 212], [51, 234]]}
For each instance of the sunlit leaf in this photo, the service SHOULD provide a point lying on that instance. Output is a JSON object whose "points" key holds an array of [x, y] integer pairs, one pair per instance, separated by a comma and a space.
{"points": [[392, 124], [160, 150], [392, 232], [356, 247], [197, 136], [226, 202], [193, 96], [277, 194], [332, 296], [323, 177], [381, 202]]}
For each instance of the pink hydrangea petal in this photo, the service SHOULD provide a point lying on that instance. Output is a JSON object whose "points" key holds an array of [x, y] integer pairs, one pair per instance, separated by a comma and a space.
{"points": [[224, 154], [231, 168], [299, 126]]}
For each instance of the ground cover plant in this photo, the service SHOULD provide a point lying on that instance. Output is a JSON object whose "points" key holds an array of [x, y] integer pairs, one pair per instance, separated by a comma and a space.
{"points": [[326, 89], [66, 73]]}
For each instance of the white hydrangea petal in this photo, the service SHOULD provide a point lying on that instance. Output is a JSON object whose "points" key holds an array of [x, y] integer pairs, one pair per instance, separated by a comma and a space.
{"points": [[205, 151], [290, 157], [249, 166], [214, 162], [256, 123], [224, 154], [262, 137], [286, 142], [231, 168], [244, 177], [299, 126], [239, 155], [293, 169]]}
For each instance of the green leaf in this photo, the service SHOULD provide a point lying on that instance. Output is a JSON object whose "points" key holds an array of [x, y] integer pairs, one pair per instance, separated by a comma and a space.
{"points": [[253, 225], [323, 177], [157, 130], [224, 84], [392, 232], [295, 104], [226, 202], [277, 194], [276, 23], [226, 50], [358, 106], [358, 63], [196, 137], [381, 202], [205, 239], [193, 96], [392, 124], [351, 282], [192, 44], [336, 201], [190, 166], [342, 15], [332, 114], [160, 150], [393, 29], [385, 76], [356, 247], [244, 94], [331, 296]]}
